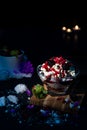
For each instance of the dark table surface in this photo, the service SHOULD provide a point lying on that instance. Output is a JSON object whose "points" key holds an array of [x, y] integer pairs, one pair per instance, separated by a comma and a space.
{"points": [[24, 119]]}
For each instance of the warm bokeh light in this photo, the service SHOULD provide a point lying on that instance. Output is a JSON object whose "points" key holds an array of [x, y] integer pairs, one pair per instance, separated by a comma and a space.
{"points": [[68, 30], [64, 28], [76, 27]]}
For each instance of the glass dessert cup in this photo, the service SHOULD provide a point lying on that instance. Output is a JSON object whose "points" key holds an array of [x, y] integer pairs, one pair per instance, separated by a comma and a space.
{"points": [[57, 88], [60, 86]]}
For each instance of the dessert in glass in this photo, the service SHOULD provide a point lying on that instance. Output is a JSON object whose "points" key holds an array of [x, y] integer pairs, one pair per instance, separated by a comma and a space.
{"points": [[57, 73]]}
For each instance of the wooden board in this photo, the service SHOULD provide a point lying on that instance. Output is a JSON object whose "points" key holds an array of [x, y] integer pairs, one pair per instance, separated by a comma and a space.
{"points": [[62, 103]]}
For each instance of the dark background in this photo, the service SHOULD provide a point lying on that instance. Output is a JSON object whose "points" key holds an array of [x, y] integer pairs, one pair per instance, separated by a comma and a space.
{"points": [[40, 36]]}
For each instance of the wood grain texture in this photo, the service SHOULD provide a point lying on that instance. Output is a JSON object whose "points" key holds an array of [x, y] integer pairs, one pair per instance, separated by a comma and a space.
{"points": [[61, 103]]}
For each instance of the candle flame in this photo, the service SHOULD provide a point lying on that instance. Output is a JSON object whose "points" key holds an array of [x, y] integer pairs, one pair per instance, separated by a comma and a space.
{"points": [[68, 30], [64, 28], [76, 27]]}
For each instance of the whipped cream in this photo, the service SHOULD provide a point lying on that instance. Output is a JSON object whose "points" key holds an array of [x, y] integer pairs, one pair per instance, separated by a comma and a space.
{"points": [[57, 69]]}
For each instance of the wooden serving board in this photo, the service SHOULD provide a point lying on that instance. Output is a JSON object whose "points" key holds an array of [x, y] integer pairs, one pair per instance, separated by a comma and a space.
{"points": [[62, 103]]}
